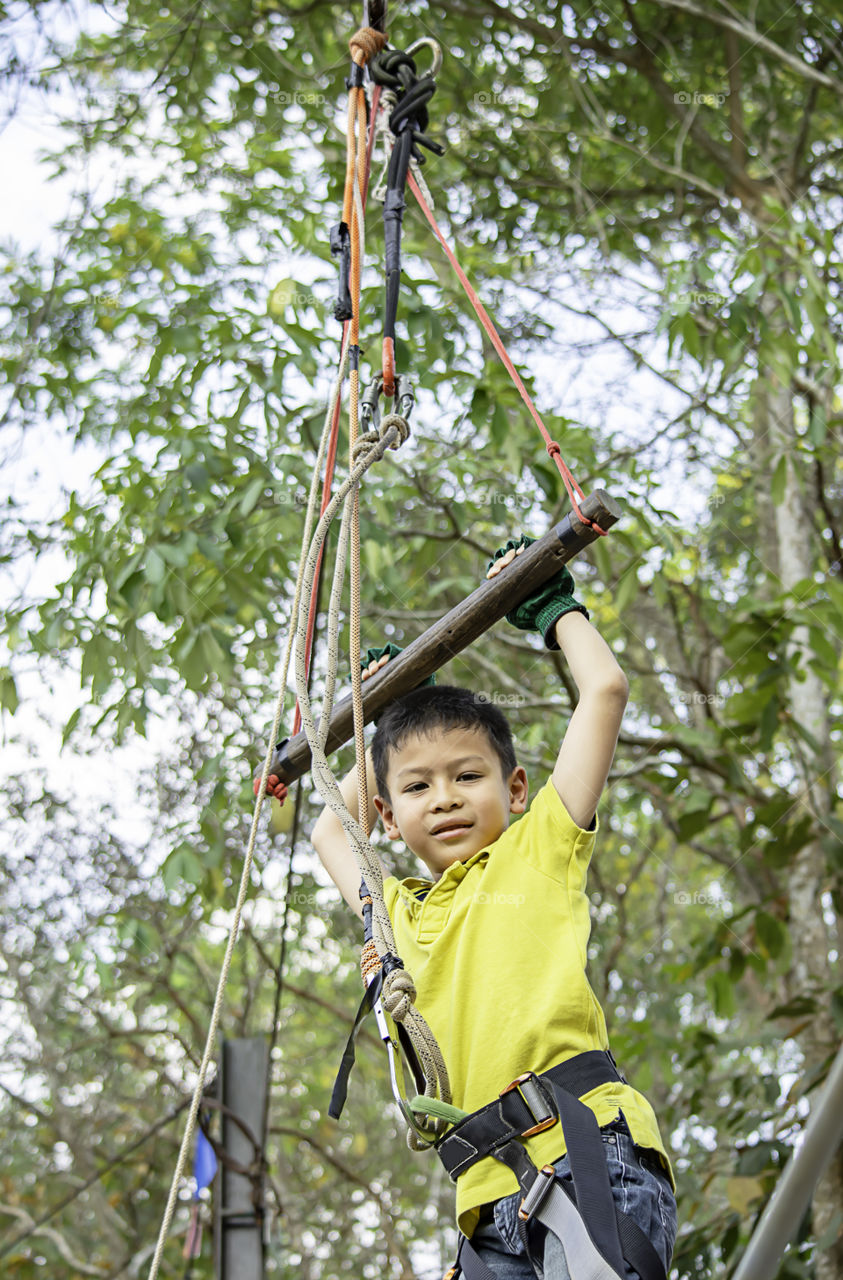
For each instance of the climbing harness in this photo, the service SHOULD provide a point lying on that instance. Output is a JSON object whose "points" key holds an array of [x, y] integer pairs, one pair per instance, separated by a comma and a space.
{"points": [[596, 1235]]}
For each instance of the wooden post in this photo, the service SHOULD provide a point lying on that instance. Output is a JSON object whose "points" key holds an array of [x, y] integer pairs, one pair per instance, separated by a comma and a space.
{"points": [[494, 598], [239, 1214]]}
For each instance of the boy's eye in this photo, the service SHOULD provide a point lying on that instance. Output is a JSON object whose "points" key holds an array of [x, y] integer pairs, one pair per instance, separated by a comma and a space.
{"points": [[414, 786]]}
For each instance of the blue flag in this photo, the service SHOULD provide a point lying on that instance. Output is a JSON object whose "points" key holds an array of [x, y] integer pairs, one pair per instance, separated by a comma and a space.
{"points": [[204, 1163]]}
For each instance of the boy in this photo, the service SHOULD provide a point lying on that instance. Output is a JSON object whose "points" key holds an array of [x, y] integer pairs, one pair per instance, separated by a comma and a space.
{"points": [[496, 937]]}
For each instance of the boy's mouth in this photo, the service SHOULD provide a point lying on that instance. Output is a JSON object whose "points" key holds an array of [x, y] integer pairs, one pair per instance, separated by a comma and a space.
{"points": [[451, 830]]}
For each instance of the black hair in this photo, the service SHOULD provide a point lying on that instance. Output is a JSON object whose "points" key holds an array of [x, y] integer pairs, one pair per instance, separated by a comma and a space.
{"points": [[442, 706]]}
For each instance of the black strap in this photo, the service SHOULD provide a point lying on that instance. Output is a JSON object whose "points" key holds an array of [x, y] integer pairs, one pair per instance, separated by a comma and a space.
{"points": [[638, 1249], [470, 1264], [590, 1172], [509, 1116], [407, 121], [592, 1189], [340, 1091]]}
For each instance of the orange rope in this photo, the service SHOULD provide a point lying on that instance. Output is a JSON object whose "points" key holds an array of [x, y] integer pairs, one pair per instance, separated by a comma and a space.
{"points": [[348, 212], [363, 45], [553, 448], [354, 392]]}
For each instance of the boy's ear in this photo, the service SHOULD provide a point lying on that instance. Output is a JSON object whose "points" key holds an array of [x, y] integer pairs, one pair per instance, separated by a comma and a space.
{"points": [[519, 790], [387, 817]]}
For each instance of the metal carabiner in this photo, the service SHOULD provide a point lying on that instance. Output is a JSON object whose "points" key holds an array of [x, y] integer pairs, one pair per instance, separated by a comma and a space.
{"points": [[370, 415], [405, 396], [437, 52], [397, 1077], [403, 400]]}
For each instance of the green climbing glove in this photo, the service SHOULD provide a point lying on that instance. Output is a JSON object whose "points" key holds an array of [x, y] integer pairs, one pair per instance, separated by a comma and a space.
{"points": [[542, 610], [374, 655]]}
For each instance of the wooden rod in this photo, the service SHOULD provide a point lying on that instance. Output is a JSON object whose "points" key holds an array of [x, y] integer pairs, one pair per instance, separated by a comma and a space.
{"points": [[456, 631]]}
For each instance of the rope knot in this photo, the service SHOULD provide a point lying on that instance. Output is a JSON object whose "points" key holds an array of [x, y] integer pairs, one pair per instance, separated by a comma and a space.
{"points": [[365, 43], [402, 426], [363, 445], [399, 994], [553, 449]]}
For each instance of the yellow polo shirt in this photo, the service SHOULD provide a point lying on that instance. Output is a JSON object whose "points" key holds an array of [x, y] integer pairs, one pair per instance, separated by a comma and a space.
{"points": [[498, 950]]}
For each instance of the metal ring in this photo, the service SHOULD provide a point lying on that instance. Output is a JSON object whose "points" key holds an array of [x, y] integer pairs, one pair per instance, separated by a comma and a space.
{"points": [[437, 52]]}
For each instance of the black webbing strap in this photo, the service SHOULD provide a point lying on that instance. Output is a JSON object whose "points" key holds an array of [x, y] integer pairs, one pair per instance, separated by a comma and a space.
{"points": [[513, 1114], [635, 1247], [470, 1264], [407, 121], [340, 1091], [584, 1145], [638, 1248], [592, 1188]]}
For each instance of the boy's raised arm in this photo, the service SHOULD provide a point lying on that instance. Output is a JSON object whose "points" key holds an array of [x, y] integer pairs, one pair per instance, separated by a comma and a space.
{"points": [[588, 747], [330, 842]]}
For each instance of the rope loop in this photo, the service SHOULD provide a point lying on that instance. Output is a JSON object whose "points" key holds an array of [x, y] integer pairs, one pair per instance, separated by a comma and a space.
{"points": [[399, 994], [401, 425], [365, 43]]}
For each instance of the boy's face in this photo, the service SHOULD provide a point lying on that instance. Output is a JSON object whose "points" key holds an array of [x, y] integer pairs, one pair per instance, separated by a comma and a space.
{"points": [[449, 798]]}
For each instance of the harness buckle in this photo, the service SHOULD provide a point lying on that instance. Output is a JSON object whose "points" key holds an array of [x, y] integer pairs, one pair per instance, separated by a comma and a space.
{"points": [[534, 1198], [535, 1100]]}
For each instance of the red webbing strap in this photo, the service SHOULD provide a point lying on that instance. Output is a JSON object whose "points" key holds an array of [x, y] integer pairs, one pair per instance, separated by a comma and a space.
{"points": [[553, 448], [334, 438]]}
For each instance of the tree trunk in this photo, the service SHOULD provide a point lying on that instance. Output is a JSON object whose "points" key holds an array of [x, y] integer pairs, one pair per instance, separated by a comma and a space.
{"points": [[793, 556]]}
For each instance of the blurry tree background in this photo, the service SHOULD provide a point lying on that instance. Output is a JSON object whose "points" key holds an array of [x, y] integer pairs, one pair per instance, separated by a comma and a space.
{"points": [[647, 197]]}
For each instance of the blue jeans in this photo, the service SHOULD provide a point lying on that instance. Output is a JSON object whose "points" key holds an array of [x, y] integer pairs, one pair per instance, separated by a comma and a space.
{"points": [[640, 1188]]}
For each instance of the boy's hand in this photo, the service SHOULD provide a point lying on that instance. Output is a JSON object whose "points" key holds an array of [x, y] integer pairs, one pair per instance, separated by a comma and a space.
{"points": [[377, 658], [542, 610]]}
